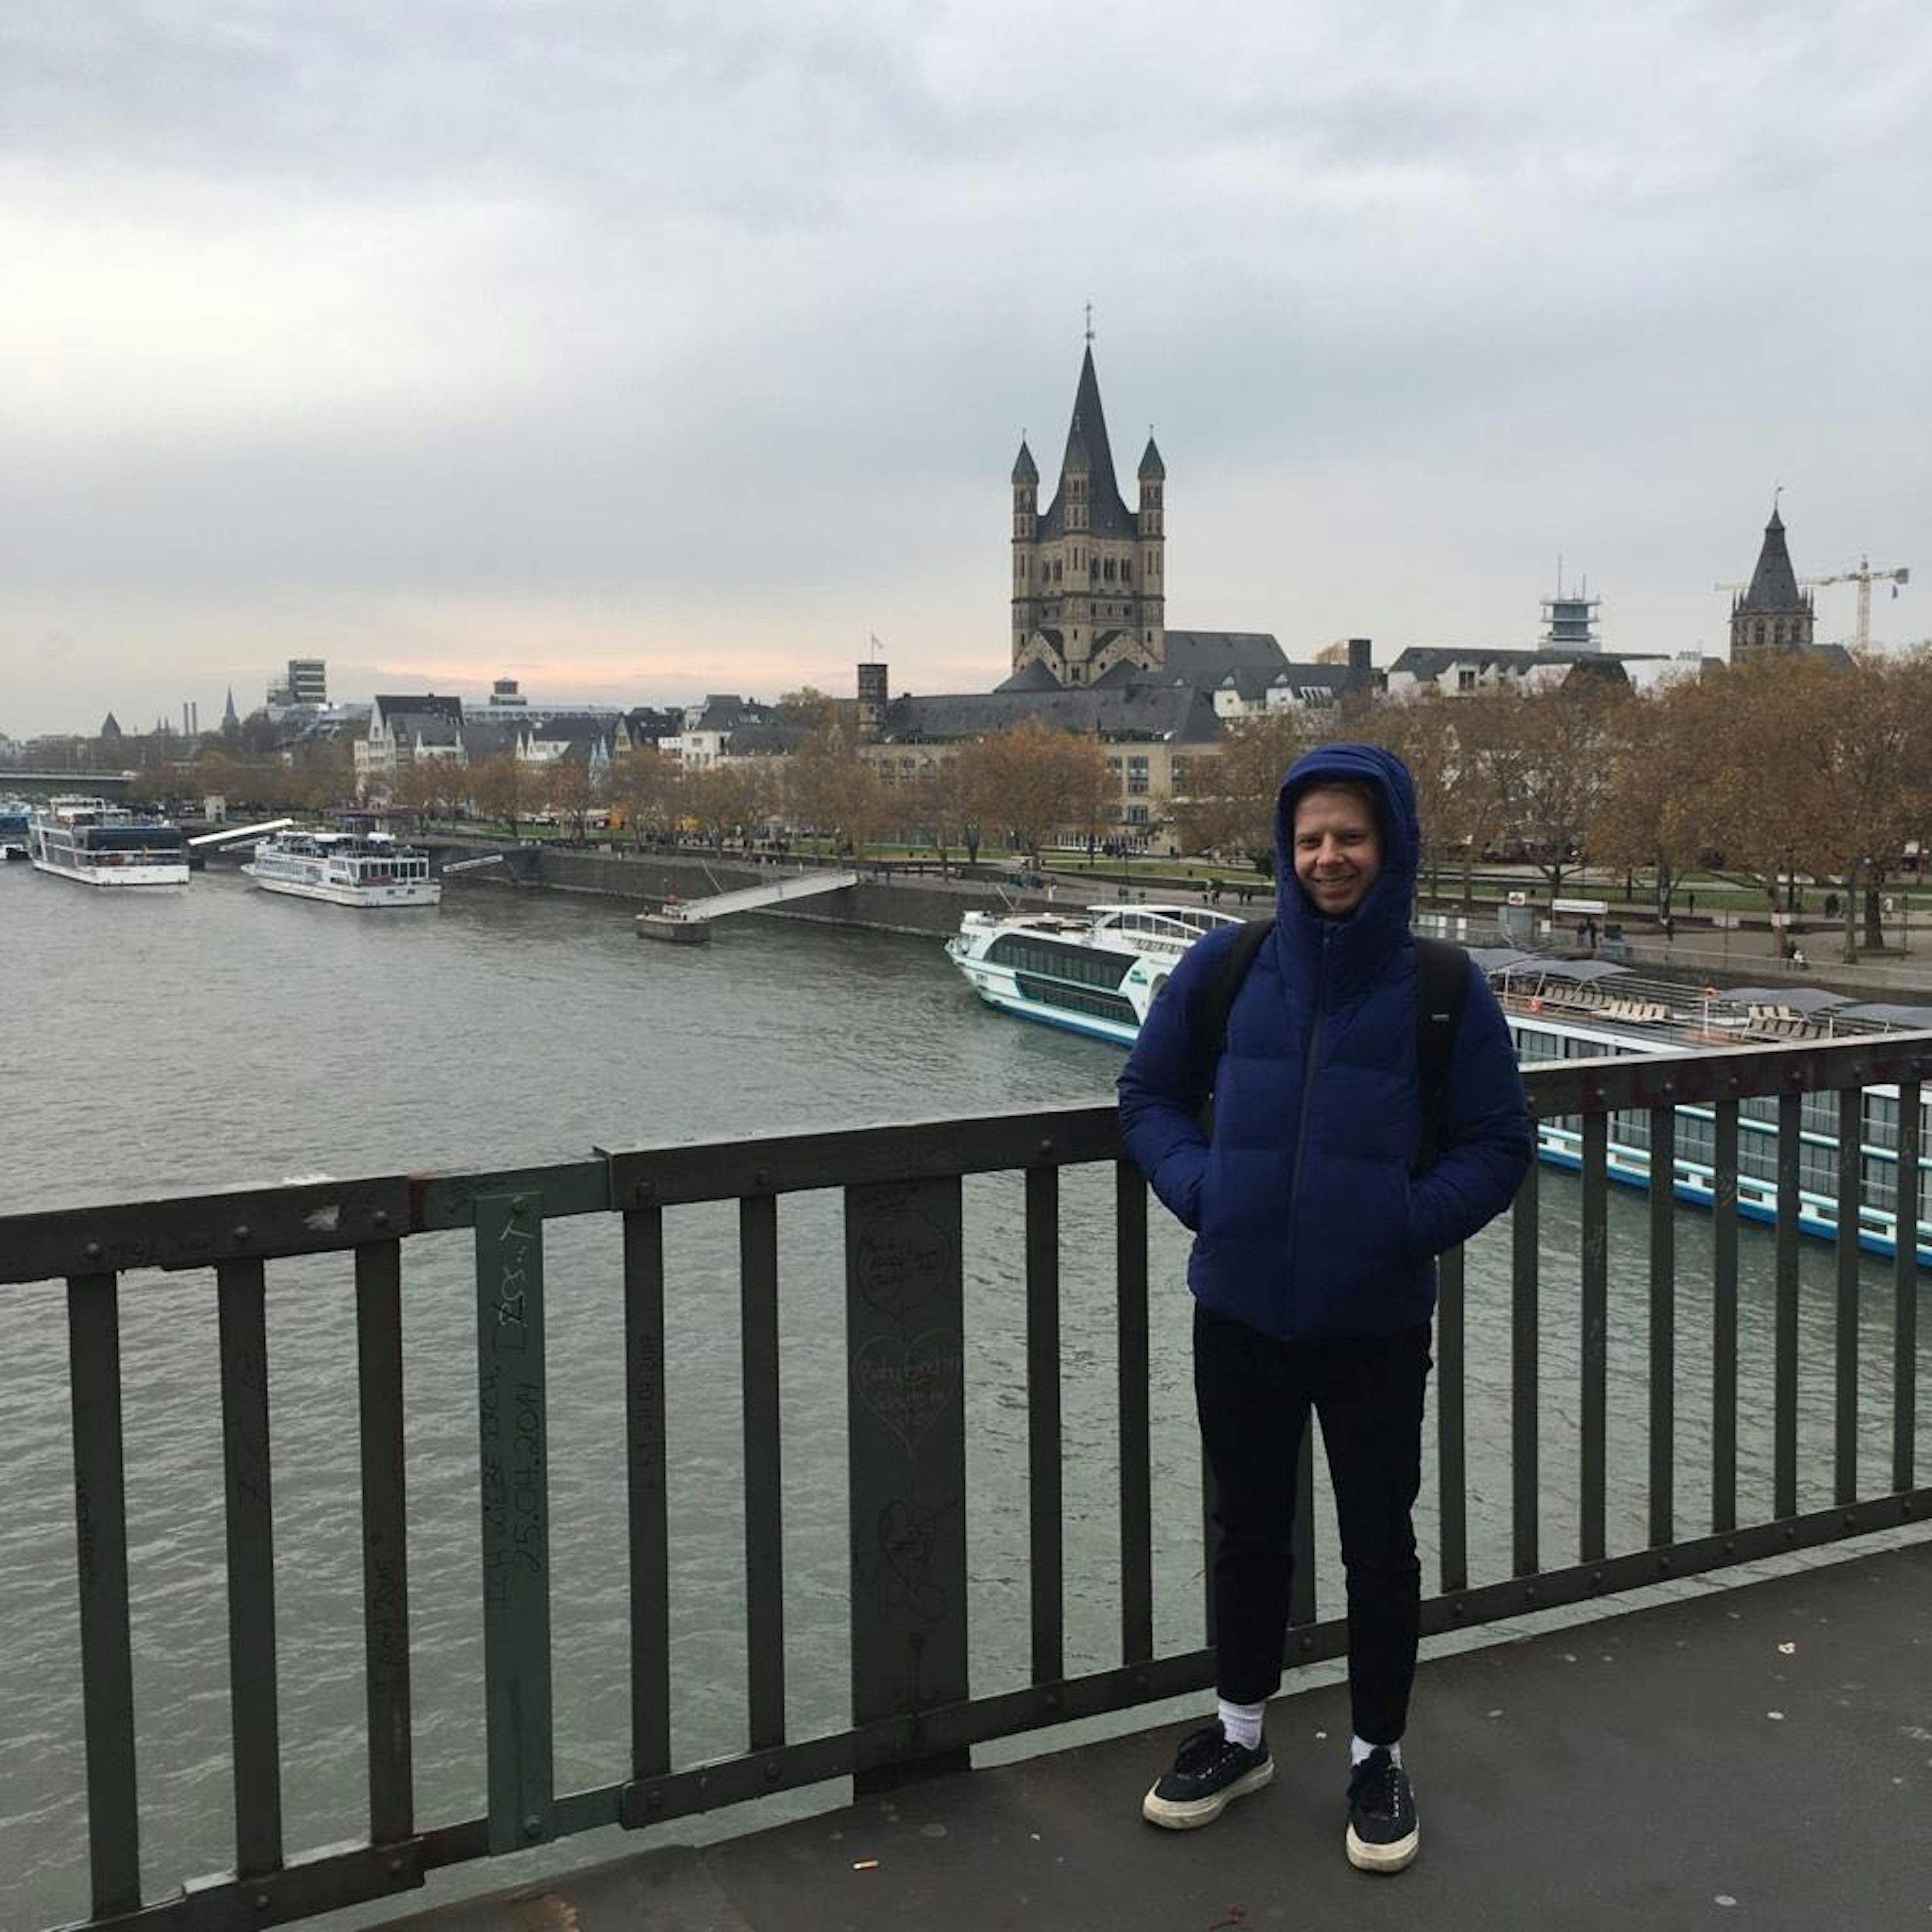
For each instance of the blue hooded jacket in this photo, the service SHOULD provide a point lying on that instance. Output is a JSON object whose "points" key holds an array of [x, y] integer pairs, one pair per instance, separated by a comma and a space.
{"points": [[1308, 1217]]}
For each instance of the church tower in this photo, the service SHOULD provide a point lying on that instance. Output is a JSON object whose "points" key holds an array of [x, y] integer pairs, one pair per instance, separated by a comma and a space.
{"points": [[1773, 615], [1088, 586]]}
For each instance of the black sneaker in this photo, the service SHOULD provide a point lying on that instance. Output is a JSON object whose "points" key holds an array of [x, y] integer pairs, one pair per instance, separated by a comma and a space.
{"points": [[1209, 1771], [1383, 1834]]}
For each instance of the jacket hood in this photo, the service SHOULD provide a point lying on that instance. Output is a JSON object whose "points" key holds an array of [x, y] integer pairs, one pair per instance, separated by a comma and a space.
{"points": [[1385, 906]]}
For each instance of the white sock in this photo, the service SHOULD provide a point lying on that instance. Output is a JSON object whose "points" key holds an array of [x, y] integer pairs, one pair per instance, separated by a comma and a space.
{"points": [[1241, 1723], [1360, 1748]]}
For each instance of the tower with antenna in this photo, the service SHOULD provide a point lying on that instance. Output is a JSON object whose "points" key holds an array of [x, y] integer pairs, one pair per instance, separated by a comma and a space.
{"points": [[1570, 619]]}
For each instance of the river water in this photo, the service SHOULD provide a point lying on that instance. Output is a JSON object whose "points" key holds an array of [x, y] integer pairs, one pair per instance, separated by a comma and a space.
{"points": [[175, 1041]]}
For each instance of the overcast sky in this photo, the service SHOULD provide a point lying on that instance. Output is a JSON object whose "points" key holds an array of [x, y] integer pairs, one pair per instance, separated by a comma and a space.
{"points": [[638, 350]]}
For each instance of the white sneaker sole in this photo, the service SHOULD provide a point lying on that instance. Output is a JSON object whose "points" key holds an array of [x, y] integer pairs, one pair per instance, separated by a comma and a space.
{"points": [[1188, 1817], [1395, 1857]]}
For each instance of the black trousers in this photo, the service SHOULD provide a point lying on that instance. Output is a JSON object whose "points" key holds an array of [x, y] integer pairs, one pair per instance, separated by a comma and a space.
{"points": [[1253, 1394]]}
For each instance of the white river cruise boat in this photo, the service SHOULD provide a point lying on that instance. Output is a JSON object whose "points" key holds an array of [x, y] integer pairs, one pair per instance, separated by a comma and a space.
{"points": [[349, 868], [1097, 973], [98, 844], [1094, 972]]}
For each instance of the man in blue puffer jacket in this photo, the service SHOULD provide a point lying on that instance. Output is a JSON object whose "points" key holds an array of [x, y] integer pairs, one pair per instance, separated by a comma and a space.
{"points": [[1318, 1211]]}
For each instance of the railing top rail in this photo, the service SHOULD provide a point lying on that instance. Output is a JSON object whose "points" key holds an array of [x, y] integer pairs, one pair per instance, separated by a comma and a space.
{"points": [[310, 1217], [275, 1220], [1710, 1074]]}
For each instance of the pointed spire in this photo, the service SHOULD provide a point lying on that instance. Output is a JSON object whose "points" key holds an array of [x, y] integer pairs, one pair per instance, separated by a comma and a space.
{"points": [[228, 717], [1774, 584], [1152, 470], [1089, 454], [1025, 470]]}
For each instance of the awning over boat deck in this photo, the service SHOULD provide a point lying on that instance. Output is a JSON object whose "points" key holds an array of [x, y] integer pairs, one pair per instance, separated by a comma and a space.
{"points": [[1584, 971], [1912, 1019], [1799, 999], [1499, 958]]}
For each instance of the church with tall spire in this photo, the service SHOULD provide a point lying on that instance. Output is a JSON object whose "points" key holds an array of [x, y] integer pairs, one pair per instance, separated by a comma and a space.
{"points": [[1089, 574], [1773, 616]]}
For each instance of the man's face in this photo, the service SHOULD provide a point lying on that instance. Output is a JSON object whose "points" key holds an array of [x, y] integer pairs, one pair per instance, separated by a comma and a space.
{"points": [[1338, 849]]}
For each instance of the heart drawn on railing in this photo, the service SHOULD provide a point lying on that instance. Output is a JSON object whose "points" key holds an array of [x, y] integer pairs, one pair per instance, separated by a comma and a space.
{"points": [[908, 1385]]}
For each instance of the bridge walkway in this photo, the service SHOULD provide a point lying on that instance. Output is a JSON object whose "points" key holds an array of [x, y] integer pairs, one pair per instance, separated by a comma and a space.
{"points": [[748, 899], [1759, 1756]]}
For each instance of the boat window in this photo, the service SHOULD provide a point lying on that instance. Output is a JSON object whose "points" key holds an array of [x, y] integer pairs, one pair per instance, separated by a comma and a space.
{"points": [[1082, 965], [132, 839]]}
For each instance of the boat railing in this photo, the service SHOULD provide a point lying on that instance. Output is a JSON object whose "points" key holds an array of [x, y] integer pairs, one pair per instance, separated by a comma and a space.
{"points": [[890, 1377]]}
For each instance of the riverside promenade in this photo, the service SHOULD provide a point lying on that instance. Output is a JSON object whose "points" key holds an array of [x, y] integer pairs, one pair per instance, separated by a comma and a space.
{"points": [[1754, 1754]]}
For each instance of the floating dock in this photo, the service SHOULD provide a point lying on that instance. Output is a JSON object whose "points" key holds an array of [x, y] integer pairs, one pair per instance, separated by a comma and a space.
{"points": [[687, 921]]}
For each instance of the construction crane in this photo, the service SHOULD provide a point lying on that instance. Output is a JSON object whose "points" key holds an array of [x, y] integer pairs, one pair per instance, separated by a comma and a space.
{"points": [[1864, 577]]}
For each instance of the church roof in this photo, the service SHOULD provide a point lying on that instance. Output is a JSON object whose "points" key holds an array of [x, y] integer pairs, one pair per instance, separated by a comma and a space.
{"points": [[1774, 584], [1152, 470], [1031, 676], [1025, 468], [1171, 714], [1088, 451], [1206, 657]]}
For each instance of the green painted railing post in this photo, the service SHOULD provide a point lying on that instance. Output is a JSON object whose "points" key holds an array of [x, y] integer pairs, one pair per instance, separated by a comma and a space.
{"points": [[515, 1485], [906, 1431]]}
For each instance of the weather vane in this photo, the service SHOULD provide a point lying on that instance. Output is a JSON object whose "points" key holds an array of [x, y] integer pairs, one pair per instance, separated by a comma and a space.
{"points": [[1090, 325]]}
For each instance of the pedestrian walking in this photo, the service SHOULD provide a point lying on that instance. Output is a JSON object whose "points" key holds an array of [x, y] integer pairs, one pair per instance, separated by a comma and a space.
{"points": [[1382, 1078]]}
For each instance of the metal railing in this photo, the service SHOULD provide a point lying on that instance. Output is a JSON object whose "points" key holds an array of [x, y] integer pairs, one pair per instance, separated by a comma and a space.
{"points": [[911, 1710]]}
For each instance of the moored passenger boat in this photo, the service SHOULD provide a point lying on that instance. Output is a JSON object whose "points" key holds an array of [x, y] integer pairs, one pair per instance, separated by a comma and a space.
{"points": [[98, 844], [369, 870], [1094, 972], [1097, 973]]}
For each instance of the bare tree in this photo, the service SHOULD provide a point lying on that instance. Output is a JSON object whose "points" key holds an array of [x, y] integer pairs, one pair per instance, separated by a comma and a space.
{"points": [[570, 792], [505, 787], [1655, 810], [1231, 805]]}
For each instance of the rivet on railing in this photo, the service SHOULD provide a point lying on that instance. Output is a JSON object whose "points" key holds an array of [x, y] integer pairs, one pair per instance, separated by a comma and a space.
{"points": [[645, 1190], [1529, 1593], [1046, 1150], [241, 1231], [92, 1251], [761, 1177], [261, 1901], [533, 1828], [773, 1768], [654, 1800], [380, 1217], [1851, 1520], [1730, 1549], [1790, 1533], [395, 1866], [1596, 1580], [1663, 1562], [520, 1206]]}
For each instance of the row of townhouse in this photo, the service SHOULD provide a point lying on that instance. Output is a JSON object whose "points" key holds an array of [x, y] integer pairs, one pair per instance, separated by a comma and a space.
{"points": [[406, 728]]}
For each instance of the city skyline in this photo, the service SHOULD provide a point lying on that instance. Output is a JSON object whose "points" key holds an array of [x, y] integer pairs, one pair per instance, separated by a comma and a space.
{"points": [[652, 358]]}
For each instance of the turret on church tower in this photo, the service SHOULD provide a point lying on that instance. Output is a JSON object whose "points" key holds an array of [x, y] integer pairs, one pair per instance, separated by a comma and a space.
{"points": [[1773, 616], [1089, 576]]}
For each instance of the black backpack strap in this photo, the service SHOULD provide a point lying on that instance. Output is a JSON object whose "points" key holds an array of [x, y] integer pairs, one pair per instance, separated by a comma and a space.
{"points": [[1210, 1018], [1210, 1022], [1442, 986]]}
